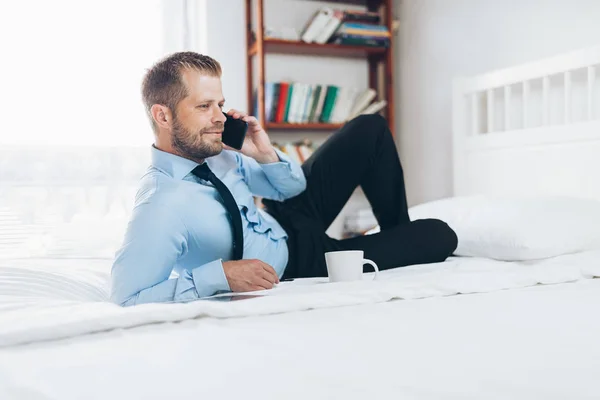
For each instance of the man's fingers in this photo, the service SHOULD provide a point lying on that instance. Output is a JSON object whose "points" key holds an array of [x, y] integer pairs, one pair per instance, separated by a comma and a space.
{"points": [[250, 120], [236, 114], [243, 116], [271, 271], [264, 284], [270, 277]]}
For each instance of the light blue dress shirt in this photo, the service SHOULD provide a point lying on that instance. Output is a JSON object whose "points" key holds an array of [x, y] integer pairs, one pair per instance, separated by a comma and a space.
{"points": [[179, 233]]}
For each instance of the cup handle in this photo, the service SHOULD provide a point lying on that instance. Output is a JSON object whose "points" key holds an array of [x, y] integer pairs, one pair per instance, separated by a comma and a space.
{"points": [[375, 267]]}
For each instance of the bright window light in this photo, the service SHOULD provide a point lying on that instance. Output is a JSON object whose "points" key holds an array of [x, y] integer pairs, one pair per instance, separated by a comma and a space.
{"points": [[71, 70]]}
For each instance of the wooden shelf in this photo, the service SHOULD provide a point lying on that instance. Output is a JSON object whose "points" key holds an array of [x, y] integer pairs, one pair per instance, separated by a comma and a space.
{"points": [[311, 126], [336, 50], [369, 3], [379, 61]]}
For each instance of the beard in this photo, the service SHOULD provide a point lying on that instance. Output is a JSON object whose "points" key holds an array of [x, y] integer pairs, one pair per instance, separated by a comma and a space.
{"points": [[192, 145]]}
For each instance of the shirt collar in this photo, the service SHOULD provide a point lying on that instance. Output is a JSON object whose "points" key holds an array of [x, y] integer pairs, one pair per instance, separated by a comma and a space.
{"points": [[171, 164]]}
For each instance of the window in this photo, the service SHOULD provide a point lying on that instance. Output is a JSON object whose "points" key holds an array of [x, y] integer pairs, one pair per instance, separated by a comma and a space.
{"points": [[71, 70]]}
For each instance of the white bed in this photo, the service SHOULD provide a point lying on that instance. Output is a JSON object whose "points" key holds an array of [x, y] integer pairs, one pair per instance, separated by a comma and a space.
{"points": [[467, 328]]}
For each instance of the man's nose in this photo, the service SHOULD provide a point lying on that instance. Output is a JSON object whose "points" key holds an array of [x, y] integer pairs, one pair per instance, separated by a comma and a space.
{"points": [[219, 116]]}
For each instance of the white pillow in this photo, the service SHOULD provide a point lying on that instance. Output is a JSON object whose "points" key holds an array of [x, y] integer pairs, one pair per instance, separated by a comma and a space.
{"points": [[512, 229]]}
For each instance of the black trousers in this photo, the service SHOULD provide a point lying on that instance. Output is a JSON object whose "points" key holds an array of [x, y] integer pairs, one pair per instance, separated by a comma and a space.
{"points": [[360, 153]]}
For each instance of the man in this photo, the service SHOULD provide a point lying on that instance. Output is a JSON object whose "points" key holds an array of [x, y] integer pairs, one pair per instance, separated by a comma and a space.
{"points": [[195, 215]]}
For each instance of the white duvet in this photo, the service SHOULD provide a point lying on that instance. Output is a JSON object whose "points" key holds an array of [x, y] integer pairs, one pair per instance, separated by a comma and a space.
{"points": [[43, 300]]}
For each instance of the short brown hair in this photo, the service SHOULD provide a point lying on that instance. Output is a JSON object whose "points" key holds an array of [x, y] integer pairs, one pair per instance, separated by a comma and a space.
{"points": [[162, 83]]}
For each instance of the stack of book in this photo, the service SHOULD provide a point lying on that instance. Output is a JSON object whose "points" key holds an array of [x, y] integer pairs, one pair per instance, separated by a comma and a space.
{"points": [[301, 103], [297, 151], [347, 27]]}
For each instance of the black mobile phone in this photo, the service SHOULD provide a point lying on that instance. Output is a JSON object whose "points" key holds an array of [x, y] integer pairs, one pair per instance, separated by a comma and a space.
{"points": [[234, 132]]}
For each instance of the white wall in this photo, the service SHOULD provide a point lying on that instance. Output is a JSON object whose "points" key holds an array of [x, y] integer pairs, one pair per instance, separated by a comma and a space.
{"points": [[441, 39]]}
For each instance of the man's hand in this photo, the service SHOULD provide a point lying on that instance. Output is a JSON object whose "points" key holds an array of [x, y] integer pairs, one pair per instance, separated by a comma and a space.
{"points": [[249, 275], [257, 143]]}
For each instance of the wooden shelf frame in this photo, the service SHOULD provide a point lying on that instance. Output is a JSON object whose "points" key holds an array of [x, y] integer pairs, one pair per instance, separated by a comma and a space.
{"points": [[306, 126], [330, 50], [380, 61]]}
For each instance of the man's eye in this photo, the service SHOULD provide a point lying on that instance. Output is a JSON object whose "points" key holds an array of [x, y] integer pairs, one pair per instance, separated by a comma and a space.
{"points": [[204, 106]]}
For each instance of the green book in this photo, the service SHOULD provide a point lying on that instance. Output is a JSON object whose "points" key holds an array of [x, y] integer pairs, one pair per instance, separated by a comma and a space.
{"points": [[287, 103], [330, 97]]}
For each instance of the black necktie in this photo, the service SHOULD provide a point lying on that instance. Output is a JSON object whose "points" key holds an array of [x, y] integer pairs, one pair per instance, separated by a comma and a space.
{"points": [[203, 172]]}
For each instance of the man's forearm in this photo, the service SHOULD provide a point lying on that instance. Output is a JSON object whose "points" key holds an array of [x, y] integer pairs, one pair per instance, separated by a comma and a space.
{"points": [[267, 157]]}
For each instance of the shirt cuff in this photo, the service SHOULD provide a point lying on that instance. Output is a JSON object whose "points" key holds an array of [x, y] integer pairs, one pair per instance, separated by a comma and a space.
{"points": [[210, 278]]}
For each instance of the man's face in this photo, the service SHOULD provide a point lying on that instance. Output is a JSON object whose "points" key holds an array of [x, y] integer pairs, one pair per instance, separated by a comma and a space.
{"points": [[198, 121]]}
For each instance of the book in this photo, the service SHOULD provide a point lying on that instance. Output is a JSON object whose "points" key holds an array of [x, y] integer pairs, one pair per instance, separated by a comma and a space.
{"points": [[302, 106], [362, 101], [340, 98], [275, 102], [320, 103], [316, 24], [329, 103], [332, 25], [282, 101], [310, 99], [288, 103], [353, 40], [375, 107], [369, 17], [304, 151], [306, 92], [290, 150], [366, 27], [269, 88], [353, 95], [314, 103], [346, 98], [360, 30]]}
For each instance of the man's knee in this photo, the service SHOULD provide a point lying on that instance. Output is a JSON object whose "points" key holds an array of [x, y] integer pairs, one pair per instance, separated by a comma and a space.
{"points": [[371, 128], [444, 239], [373, 122]]}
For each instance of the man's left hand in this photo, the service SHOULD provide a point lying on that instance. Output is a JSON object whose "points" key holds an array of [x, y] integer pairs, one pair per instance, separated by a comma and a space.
{"points": [[257, 143]]}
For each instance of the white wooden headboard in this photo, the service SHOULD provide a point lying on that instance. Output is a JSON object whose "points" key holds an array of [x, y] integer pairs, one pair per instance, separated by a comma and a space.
{"points": [[530, 129]]}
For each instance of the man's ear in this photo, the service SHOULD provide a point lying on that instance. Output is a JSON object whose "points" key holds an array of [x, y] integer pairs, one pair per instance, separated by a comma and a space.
{"points": [[162, 116]]}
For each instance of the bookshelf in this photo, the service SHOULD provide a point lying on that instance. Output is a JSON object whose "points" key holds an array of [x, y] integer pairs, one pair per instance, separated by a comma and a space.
{"points": [[379, 60]]}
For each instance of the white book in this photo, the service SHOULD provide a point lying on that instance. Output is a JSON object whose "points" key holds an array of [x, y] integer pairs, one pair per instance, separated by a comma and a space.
{"points": [[362, 101], [293, 101], [320, 102], [317, 24], [291, 151], [375, 107], [341, 98], [299, 105], [333, 23], [305, 102], [341, 111], [310, 102], [305, 94], [351, 99]]}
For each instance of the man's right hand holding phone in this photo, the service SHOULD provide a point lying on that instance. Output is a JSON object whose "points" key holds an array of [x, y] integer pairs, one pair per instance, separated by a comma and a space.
{"points": [[249, 275]]}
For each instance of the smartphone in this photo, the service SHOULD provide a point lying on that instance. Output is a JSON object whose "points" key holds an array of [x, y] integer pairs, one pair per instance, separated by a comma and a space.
{"points": [[234, 132]]}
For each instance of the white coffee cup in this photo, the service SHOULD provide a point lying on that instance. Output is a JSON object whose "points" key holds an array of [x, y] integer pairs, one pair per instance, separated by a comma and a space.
{"points": [[344, 266]]}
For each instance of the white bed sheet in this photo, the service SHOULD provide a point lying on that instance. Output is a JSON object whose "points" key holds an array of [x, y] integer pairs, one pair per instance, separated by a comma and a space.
{"points": [[38, 309], [531, 343]]}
